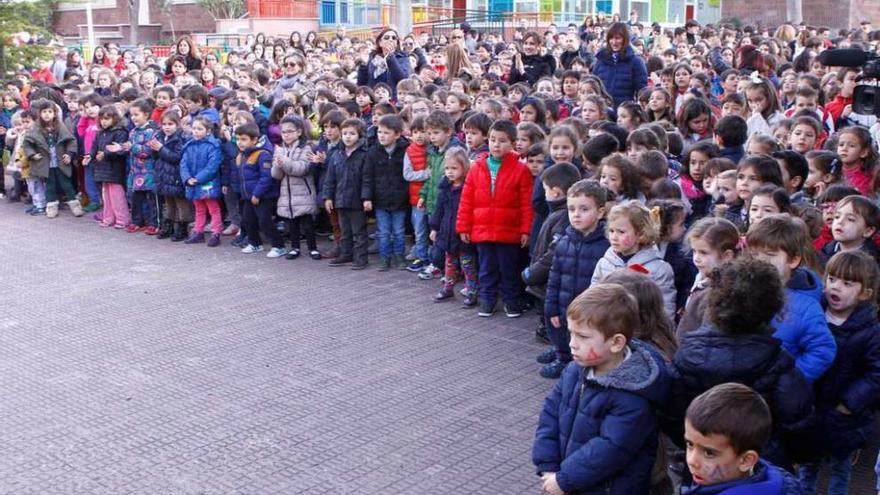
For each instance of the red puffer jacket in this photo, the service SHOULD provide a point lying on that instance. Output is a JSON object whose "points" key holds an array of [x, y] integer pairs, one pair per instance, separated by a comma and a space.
{"points": [[500, 217]]}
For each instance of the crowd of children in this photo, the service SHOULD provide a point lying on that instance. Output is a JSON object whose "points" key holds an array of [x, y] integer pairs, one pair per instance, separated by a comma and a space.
{"points": [[699, 244]]}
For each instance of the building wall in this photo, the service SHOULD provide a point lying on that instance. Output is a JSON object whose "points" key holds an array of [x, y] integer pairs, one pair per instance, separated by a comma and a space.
{"points": [[844, 14], [188, 18], [767, 12]]}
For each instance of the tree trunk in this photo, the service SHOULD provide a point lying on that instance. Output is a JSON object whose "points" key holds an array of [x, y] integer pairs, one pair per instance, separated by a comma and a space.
{"points": [[795, 11], [134, 8]]}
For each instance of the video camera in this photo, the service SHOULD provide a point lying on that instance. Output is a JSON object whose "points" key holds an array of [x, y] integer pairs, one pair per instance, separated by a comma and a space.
{"points": [[866, 98]]}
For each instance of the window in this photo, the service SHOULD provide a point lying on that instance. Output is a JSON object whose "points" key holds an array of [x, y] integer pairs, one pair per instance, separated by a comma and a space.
{"points": [[643, 7], [96, 4]]}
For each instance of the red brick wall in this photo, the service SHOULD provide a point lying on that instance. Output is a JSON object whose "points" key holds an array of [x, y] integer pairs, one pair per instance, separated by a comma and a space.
{"points": [[188, 18], [820, 13], [836, 15], [864, 10], [767, 12]]}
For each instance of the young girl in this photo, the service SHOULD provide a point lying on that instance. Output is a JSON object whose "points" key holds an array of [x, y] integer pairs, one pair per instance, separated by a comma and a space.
{"points": [[681, 82], [178, 210], [460, 258], [755, 171], [693, 172], [825, 170], [762, 144], [804, 134], [858, 156], [105, 82], [845, 392], [533, 110], [50, 148], [695, 121], [200, 170], [297, 203], [109, 167], [712, 241], [592, 109], [764, 106], [207, 77], [655, 325], [141, 178], [633, 232], [620, 176], [660, 106], [527, 134], [768, 200], [630, 115], [365, 98], [672, 215], [281, 109]]}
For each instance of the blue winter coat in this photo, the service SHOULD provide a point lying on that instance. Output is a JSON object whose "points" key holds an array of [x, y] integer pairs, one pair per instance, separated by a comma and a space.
{"points": [[766, 480], [256, 178], [228, 171], [574, 262], [854, 381], [599, 433], [168, 181], [802, 327], [201, 159], [444, 216], [684, 269], [623, 78], [343, 182], [709, 357]]}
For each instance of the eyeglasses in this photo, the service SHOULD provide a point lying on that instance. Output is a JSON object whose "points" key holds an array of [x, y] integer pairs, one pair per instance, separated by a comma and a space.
{"points": [[291, 64], [409, 43], [389, 37], [289, 131]]}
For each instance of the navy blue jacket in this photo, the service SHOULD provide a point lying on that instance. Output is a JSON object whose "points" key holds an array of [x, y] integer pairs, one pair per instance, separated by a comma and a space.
{"points": [[343, 182], [733, 153], [228, 171], [709, 357], [685, 272], [854, 381], [167, 165], [444, 216], [256, 178], [112, 168], [574, 262], [766, 480], [553, 229], [599, 433], [398, 69], [383, 176], [534, 67], [623, 78]]}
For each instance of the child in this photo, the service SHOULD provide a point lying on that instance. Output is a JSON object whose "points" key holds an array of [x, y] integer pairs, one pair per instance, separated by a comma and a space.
{"points": [[574, 260], [595, 150], [602, 411], [109, 167], [734, 345], [755, 171], [804, 134], [195, 99], [259, 192], [460, 259], [762, 144], [297, 200], [846, 395], [200, 162], [734, 105], [731, 133], [764, 106], [163, 95], [496, 214], [660, 106], [416, 172], [712, 242], [535, 158], [630, 116], [178, 210], [692, 173], [794, 170], [527, 135], [618, 174], [825, 170], [87, 129], [858, 157], [329, 144], [768, 200], [345, 194], [695, 121], [856, 220], [476, 132], [386, 190], [672, 215], [632, 233], [141, 174], [827, 204], [50, 147], [782, 241], [726, 429], [562, 144], [22, 121]]}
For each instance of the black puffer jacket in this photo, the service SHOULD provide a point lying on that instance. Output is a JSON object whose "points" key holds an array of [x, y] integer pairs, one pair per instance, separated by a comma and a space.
{"points": [[534, 67], [112, 167], [167, 166], [383, 176]]}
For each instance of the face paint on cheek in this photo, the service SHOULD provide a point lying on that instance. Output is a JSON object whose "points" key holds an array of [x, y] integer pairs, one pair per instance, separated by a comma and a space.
{"points": [[592, 356], [717, 474]]}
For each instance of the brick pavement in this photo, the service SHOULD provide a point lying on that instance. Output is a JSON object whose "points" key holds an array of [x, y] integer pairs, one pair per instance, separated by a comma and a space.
{"points": [[133, 365]]}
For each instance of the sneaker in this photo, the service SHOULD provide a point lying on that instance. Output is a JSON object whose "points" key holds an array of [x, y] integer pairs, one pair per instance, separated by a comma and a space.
{"points": [[92, 207], [315, 255], [240, 240], [276, 252], [340, 261], [214, 241], [486, 309], [554, 369], [231, 230], [547, 356], [105, 225], [444, 294], [359, 266], [513, 310], [195, 238], [541, 334], [30, 210], [133, 229], [250, 249], [151, 230], [416, 266], [469, 301], [37, 212], [430, 273], [384, 264], [119, 226], [399, 262], [292, 254]]}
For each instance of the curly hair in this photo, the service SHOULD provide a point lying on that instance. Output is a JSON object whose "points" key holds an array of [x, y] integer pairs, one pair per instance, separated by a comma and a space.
{"points": [[643, 221], [746, 294]]}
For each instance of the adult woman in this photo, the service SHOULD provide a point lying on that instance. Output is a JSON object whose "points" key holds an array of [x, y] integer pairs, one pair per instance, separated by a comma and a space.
{"points": [[292, 77], [529, 65], [623, 73], [311, 38], [387, 63], [186, 48], [296, 41], [99, 57], [457, 61]]}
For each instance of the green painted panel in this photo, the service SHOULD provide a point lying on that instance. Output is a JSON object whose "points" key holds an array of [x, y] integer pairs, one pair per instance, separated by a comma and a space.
{"points": [[658, 11]]}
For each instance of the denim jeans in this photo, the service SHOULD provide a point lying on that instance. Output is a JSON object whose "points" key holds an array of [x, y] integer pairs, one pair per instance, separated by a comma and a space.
{"points": [[391, 226], [419, 218], [93, 189], [838, 479]]}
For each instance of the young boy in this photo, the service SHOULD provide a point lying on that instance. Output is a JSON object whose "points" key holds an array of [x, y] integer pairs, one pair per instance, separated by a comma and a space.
{"points": [[734, 104], [804, 134], [416, 172], [195, 98], [259, 192], [731, 133], [476, 131], [574, 259], [387, 191], [344, 193], [726, 428], [440, 129], [782, 241], [329, 144], [597, 431], [163, 95], [250, 97], [856, 220], [495, 214]]}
